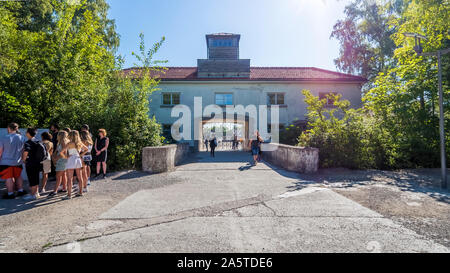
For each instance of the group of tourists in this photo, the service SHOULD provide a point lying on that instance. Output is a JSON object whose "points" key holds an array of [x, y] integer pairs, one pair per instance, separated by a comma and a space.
{"points": [[65, 153]]}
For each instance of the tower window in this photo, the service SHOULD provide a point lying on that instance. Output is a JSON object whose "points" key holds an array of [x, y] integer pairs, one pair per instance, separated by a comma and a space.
{"points": [[221, 43]]}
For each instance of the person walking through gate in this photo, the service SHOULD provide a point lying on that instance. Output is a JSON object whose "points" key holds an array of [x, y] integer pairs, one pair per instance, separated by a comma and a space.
{"points": [[213, 145], [206, 144], [256, 146]]}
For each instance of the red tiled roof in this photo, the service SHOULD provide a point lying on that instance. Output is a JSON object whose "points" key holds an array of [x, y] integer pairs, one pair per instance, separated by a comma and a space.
{"points": [[258, 74]]}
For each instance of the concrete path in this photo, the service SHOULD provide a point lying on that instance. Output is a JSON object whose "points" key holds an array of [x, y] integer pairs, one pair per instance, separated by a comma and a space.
{"points": [[226, 205]]}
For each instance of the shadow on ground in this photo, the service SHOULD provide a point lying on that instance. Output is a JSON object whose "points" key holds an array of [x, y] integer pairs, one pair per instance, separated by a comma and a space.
{"points": [[19, 204], [426, 181]]}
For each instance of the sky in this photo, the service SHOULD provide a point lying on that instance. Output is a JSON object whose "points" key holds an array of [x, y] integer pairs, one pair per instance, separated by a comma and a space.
{"points": [[273, 32]]}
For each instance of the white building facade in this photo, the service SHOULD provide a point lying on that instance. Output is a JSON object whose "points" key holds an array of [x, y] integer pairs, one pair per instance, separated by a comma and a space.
{"points": [[225, 80]]}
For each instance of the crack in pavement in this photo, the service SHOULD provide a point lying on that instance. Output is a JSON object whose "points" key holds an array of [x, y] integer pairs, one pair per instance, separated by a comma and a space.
{"points": [[130, 224], [271, 209]]}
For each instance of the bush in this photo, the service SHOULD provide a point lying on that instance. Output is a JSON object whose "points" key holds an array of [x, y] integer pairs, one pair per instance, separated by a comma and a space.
{"points": [[346, 137], [289, 134]]}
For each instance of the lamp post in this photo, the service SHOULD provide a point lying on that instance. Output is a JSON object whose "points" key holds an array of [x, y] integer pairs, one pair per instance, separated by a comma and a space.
{"points": [[439, 53]]}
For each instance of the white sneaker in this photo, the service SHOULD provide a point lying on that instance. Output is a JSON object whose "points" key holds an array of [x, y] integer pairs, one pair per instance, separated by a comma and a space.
{"points": [[29, 197], [85, 190]]}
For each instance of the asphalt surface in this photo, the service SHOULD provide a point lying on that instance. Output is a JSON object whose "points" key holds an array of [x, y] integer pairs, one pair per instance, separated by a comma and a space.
{"points": [[224, 204]]}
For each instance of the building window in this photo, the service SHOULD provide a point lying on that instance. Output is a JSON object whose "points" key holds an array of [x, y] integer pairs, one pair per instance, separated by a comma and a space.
{"points": [[170, 98], [275, 99], [221, 43], [324, 95], [224, 99]]}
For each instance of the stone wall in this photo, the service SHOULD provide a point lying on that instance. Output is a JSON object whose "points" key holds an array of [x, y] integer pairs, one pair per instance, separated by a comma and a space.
{"points": [[164, 158], [292, 158]]}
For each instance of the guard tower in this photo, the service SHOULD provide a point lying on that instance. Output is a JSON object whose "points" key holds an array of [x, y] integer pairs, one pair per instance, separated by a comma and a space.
{"points": [[223, 58]]}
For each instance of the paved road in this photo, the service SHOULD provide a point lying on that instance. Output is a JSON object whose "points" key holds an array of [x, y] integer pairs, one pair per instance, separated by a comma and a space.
{"points": [[226, 205]]}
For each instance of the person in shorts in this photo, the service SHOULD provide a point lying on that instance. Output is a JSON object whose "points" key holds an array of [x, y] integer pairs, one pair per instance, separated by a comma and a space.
{"points": [[256, 146], [59, 158], [32, 163], [11, 147], [46, 164]]}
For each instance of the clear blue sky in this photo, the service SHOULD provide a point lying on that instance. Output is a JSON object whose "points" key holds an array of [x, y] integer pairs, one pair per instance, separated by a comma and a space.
{"points": [[273, 32]]}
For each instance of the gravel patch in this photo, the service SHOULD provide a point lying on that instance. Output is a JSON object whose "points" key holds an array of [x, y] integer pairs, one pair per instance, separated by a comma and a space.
{"points": [[412, 198]]}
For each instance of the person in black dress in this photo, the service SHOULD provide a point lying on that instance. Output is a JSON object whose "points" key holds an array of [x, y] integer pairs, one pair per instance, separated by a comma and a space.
{"points": [[101, 151], [213, 145]]}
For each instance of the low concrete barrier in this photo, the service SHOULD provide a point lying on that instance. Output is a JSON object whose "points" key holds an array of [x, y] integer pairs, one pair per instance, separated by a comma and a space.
{"points": [[291, 158], [163, 158]]}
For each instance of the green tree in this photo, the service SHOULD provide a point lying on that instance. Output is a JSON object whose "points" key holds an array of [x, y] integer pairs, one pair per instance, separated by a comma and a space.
{"points": [[364, 35], [405, 97], [64, 58], [127, 109], [398, 124], [58, 64], [346, 137]]}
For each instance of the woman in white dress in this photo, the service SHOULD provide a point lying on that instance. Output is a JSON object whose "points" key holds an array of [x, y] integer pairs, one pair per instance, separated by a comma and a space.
{"points": [[76, 150]]}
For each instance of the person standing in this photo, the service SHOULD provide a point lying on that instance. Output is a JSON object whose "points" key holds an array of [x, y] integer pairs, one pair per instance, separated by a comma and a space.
{"points": [[213, 145], [76, 151], [206, 144], [47, 163], [101, 151], [59, 158], [87, 158], [235, 141], [33, 154], [54, 129], [256, 146], [11, 147], [85, 128]]}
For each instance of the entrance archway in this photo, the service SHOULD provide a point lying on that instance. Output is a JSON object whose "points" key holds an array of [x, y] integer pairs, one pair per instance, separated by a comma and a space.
{"points": [[230, 135]]}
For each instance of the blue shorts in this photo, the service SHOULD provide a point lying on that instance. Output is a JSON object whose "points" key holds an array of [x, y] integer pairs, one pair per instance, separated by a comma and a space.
{"points": [[255, 151]]}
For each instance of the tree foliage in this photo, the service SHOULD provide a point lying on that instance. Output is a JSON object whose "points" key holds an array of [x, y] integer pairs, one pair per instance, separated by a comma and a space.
{"points": [[400, 113], [366, 46], [58, 64]]}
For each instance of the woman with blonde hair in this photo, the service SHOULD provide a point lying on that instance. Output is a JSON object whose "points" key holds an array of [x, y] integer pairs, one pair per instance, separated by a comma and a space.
{"points": [[76, 150], [60, 160], [101, 151], [87, 158]]}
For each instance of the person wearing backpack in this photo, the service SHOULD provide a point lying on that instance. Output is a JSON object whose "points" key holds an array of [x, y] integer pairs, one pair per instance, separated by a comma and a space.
{"points": [[34, 153], [213, 145]]}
